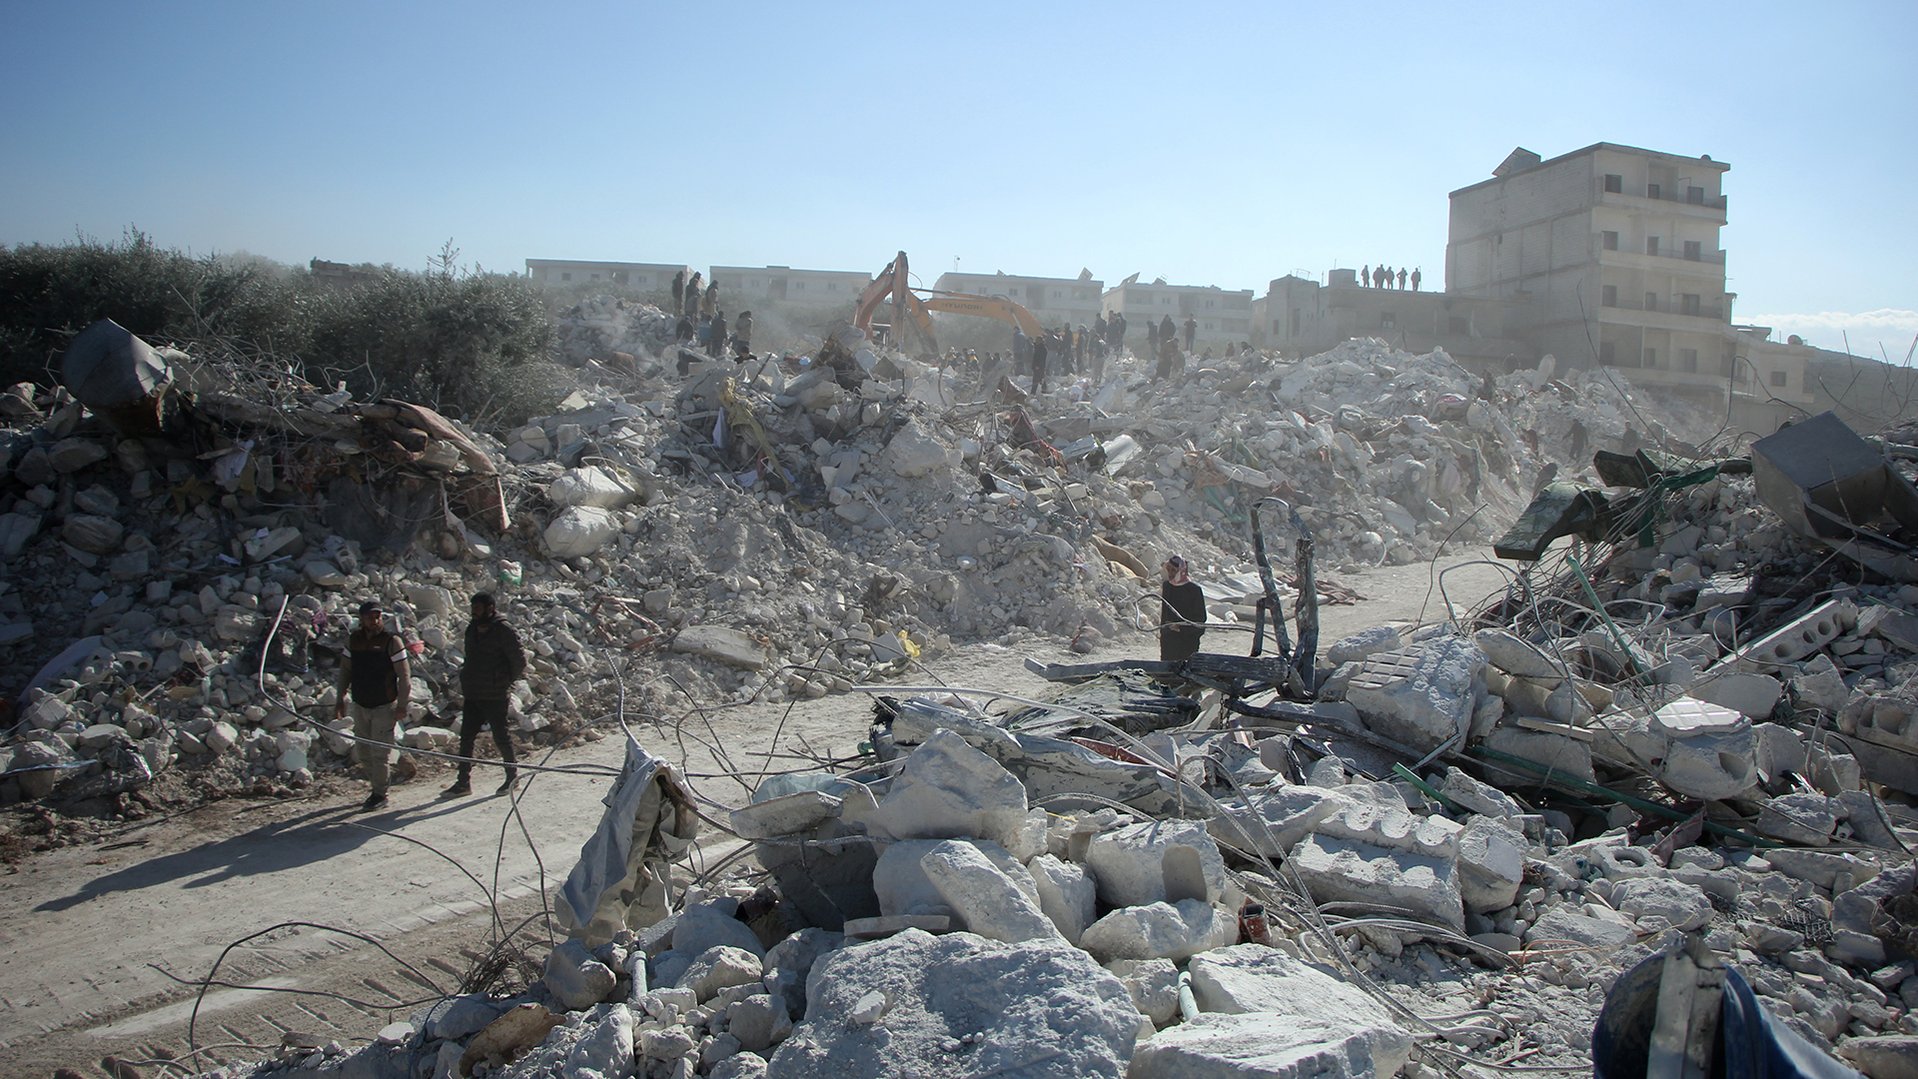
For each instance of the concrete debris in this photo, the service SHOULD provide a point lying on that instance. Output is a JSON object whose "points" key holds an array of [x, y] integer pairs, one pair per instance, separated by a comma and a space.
{"points": [[1694, 725]]}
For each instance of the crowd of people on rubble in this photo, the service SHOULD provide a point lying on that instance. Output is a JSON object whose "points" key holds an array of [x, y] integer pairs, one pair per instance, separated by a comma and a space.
{"points": [[1383, 276], [703, 325]]}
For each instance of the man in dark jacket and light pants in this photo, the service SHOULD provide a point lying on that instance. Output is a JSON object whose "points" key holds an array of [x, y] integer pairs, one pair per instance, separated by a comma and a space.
{"points": [[493, 663]]}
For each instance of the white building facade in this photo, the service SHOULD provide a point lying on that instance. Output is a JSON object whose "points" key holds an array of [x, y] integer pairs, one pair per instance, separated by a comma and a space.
{"points": [[1223, 316]]}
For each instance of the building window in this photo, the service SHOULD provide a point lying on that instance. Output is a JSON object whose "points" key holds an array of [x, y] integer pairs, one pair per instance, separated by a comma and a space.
{"points": [[1614, 183], [1608, 296], [1610, 240], [1387, 321], [1651, 245], [1651, 301], [1778, 378], [1688, 359], [1460, 324], [1651, 357], [1694, 250], [1208, 305], [1652, 191], [1606, 352], [1688, 303], [1695, 196]]}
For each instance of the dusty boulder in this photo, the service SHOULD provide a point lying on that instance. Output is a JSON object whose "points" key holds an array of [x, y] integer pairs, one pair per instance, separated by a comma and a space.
{"points": [[960, 1005]]}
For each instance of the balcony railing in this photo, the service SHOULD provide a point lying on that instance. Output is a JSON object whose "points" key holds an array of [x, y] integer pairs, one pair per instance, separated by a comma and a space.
{"points": [[1707, 203], [1715, 258], [1711, 311]]}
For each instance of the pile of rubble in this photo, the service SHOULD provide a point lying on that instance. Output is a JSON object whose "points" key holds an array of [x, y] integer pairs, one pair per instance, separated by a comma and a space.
{"points": [[1702, 746], [1695, 726]]}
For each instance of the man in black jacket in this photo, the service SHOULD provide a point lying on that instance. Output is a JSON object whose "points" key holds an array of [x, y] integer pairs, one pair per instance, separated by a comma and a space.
{"points": [[493, 663], [376, 678]]}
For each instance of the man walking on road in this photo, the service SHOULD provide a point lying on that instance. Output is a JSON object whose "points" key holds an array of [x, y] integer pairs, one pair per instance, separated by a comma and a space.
{"points": [[376, 677], [494, 662]]}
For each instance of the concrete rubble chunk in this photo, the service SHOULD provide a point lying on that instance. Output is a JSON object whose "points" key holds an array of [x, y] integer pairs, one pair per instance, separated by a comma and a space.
{"points": [[948, 790], [1348, 871], [704, 926], [1680, 905], [986, 901], [903, 887], [1260, 1046], [1278, 817], [1067, 895], [580, 530], [93, 534], [1709, 750], [1154, 985], [962, 1005], [1130, 864], [1561, 926], [591, 486], [1799, 818], [1491, 864], [1744, 692], [1365, 643], [758, 1022], [1160, 931], [574, 978], [1255, 978], [914, 452], [719, 968], [73, 454], [1518, 657], [733, 647], [1420, 697]]}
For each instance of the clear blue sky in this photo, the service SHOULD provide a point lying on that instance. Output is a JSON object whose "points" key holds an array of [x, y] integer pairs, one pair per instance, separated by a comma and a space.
{"points": [[1221, 143]]}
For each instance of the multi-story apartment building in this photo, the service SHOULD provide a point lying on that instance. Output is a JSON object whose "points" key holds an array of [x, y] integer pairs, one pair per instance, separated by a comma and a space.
{"points": [[1612, 254], [1223, 316], [638, 276], [740, 287], [1054, 301]]}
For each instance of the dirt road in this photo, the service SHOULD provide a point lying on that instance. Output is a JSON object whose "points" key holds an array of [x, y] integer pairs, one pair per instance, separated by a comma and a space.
{"points": [[94, 940]]}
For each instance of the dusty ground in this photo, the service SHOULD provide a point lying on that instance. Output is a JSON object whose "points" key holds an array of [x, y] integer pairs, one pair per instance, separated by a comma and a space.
{"points": [[97, 938]]}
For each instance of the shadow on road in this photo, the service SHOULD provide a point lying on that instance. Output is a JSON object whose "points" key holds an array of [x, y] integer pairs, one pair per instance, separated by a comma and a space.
{"points": [[289, 844]]}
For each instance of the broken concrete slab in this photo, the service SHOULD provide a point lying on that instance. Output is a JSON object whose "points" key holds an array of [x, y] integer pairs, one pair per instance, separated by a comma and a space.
{"points": [[1346, 871], [986, 901], [1260, 1046], [1067, 895], [947, 789], [1130, 864], [961, 1004], [733, 647], [1160, 930], [1419, 697]]}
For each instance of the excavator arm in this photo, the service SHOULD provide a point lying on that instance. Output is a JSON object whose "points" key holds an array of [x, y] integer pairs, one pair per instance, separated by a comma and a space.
{"points": [[909, 310]]}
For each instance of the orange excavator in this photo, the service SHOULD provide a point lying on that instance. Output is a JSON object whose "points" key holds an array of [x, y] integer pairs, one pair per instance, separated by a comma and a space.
{"points": [[912, 315]]}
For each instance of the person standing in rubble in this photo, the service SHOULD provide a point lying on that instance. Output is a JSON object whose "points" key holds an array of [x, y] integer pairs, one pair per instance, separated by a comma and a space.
{"points": [[1168, 330], [1365, 276], [691, 309], [1151, 340], [1402, 279], [743, 333], [1191, 331], [377, 678], [679, 292], [1181, 610], [1118, 327], [494, 661], [1416, 278], [719, 335], [1039, 365], [710, 304], [1169, 358]]}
